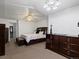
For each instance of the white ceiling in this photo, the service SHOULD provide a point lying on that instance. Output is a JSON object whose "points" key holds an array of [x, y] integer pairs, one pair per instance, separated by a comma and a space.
{"points": [[17, 9]]}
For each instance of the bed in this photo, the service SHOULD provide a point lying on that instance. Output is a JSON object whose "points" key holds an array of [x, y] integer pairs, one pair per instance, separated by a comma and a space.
{"points": [[38, 36]]}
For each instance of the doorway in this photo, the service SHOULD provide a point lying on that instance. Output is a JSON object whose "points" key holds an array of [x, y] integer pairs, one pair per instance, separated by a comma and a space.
{"points": [[12, 31]]}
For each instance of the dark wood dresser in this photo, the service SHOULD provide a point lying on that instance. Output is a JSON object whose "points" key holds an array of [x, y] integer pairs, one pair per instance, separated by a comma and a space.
{"points": [[2, 39], [64, 45]]}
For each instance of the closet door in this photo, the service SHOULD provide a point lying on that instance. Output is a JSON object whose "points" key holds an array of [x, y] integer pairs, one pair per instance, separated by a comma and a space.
{"points": [[2, 39]]}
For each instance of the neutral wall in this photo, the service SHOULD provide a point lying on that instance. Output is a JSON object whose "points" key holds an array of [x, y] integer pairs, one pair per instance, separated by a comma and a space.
{"points": [[30, 27], [25, 27], [42, 23], [65, 22]]}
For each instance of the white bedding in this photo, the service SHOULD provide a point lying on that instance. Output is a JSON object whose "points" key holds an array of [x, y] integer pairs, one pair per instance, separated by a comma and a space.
{"points": [[29, 37]]}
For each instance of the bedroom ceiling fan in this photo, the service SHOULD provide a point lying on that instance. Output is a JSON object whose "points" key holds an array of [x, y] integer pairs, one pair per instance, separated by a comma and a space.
{"points": [[30, 16]]}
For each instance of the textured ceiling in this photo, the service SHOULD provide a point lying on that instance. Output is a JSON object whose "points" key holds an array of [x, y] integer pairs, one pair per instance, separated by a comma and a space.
{"points": [[17, 9]]}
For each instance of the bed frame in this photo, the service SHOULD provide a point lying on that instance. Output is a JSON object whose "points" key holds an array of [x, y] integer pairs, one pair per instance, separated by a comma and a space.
{"points": [[44, 29]]}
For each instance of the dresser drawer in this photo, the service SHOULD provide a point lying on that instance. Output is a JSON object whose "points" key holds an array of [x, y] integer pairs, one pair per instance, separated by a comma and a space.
{"points": [[74, 54], [75, 48], [74, 41], [64, 52]]}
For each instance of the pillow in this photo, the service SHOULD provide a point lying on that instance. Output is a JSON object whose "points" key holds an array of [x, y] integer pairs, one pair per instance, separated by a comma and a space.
{"points": [[41, 32]]}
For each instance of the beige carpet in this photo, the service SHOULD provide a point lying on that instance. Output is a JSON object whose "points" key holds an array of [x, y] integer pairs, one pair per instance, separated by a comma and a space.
{"points": [[36, 51]]}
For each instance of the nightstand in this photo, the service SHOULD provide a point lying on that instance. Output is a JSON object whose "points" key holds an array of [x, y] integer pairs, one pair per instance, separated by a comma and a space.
{"points": [[20, 41]]}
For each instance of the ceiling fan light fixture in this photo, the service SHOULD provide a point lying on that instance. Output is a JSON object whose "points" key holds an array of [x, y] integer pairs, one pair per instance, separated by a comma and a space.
{"points": [[29, 18]]}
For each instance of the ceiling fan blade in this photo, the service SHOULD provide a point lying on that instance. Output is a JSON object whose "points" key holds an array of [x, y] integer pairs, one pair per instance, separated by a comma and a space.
{"points": [[26, 14]]}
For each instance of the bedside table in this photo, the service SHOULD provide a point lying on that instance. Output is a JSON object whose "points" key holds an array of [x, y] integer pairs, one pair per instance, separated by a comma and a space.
{"points": [[20, 41]]}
